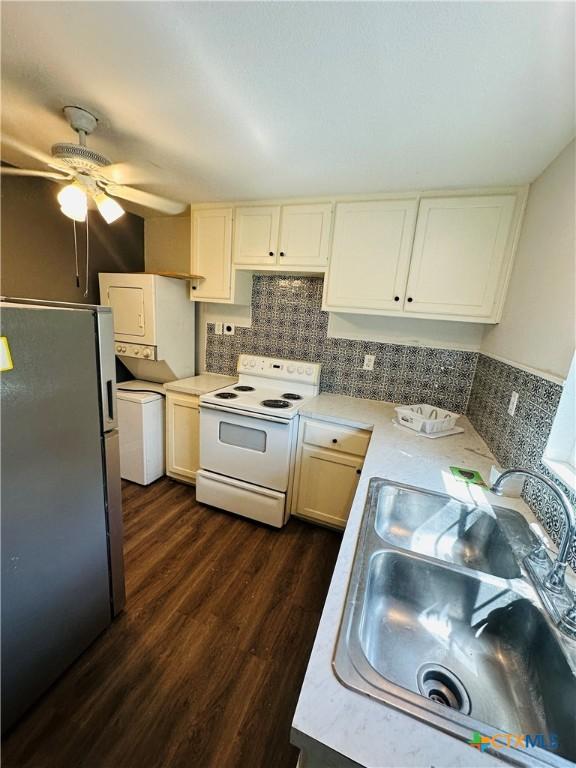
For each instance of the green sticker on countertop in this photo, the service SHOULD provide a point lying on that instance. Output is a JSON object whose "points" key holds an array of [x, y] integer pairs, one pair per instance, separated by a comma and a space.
{"points": [[471, 476]]}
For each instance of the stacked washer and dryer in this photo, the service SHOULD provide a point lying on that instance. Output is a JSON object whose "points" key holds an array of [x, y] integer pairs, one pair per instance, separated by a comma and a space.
{"points": [[154, 338]]}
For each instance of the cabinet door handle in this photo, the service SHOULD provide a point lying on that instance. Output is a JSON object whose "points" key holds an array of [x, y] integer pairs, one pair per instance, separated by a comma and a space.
{"points": [[271, 253], [334, 440]]}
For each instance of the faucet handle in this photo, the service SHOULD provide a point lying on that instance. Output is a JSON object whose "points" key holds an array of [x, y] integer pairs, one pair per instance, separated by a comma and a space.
{"points": [[568, 619]]}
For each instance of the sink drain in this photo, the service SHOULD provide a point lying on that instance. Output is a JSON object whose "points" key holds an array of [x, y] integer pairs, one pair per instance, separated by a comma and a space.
{"points": [[442, 686]]}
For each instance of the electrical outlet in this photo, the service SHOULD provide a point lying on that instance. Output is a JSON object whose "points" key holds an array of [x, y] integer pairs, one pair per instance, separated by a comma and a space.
{"points": [[513, 403], [229, 329], [218, 329], [369, 362]]}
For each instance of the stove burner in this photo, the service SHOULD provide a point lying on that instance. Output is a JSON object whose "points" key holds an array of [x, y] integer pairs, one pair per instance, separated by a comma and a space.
{"points": [[244, 388], [291, 396], [225, 395], [276, 403]]}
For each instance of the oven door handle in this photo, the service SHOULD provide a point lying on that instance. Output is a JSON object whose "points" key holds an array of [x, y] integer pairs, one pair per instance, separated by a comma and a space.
{"points": [[238, 412]]}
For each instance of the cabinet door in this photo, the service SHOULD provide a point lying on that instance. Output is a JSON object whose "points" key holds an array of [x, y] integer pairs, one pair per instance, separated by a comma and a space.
{"points": [[304, 235], [370, 255], [182, 436], [327, 485], [256, 235], [460, 247], [212, 253]]}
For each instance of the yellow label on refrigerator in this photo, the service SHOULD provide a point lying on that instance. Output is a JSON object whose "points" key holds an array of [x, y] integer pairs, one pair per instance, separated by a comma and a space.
{"points": [[6, 363]]}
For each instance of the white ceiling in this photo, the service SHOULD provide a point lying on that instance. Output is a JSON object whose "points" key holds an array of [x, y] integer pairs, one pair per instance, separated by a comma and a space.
{"points": [[253, 100]]}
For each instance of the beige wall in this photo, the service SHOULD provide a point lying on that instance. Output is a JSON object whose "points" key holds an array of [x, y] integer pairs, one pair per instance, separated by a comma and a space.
{"points": [[538, 326], [38, 245], [167, 243]]}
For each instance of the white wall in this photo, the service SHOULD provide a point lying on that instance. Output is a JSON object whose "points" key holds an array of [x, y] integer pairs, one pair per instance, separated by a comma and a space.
{"points": [[538, 326]]}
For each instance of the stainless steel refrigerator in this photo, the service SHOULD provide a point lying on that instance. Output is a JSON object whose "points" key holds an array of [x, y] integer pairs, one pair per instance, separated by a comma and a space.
{"points": [[61, 509]]}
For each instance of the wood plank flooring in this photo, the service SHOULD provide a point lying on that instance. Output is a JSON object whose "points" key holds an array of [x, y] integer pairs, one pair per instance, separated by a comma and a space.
{"points": [[204, 667]]}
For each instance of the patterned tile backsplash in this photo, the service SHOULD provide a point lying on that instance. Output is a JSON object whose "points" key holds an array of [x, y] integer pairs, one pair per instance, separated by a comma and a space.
{"points": [[519, 440], [287, 321]]}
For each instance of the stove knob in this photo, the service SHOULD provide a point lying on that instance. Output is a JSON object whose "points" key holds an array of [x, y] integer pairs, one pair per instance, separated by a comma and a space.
{"points": [[308, 370], [146, 353], [118, 348], [123, 349], [252, 363], [300, 369], [136, 351], [290, 369]]}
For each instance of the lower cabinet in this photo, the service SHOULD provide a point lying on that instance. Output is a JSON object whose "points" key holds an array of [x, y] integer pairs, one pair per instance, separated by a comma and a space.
{"points": [[326, 477], [182, 436]]}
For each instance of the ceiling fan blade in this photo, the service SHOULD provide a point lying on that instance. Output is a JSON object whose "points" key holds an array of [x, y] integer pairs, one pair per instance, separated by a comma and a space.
{"points": [[145, 199], [7, 170], [26, 149], [128, 173]]}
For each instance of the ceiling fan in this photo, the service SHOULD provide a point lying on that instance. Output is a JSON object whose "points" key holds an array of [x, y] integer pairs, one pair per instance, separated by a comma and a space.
{"points": [[89, 173]]}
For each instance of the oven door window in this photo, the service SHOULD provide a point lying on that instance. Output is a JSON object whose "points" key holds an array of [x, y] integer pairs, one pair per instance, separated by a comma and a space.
{"points": [[242, 437]]}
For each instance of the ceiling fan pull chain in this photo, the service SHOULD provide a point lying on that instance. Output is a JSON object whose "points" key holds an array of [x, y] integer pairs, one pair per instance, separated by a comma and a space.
{"points": [[76, 254], [87, 254]]}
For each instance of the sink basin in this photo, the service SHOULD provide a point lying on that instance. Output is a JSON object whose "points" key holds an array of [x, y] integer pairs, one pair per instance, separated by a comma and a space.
{"points": [[462, 647], [467, 644], [442, 527]]}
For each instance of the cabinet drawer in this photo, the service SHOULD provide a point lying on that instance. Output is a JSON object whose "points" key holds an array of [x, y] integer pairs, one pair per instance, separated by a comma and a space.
{"points": [[335, 437]]}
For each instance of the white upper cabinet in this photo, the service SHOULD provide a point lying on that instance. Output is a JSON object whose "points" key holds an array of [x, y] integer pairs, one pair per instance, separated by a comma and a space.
{"points": [[460, 249], [370, 255], [256, 235], [283, 237], [212, 252], [304, 235], [211, 257]]}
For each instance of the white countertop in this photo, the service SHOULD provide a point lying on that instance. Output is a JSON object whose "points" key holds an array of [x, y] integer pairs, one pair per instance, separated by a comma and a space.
{"points": [[199, 385], [367, 731]]}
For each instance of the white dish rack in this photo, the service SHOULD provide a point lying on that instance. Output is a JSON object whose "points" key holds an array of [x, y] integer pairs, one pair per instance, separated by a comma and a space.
{"points": [[426, 418]]}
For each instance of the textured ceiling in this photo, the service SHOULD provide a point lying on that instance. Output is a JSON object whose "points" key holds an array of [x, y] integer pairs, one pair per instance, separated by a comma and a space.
{"points": [[238, 100]]}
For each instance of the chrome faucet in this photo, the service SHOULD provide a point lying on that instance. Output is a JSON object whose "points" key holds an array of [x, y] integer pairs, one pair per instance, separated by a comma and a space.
{"points": [[555, 580]]}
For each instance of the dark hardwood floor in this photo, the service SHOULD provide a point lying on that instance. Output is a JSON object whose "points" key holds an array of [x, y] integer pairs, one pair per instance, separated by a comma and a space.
{"points": [[204, 667]]}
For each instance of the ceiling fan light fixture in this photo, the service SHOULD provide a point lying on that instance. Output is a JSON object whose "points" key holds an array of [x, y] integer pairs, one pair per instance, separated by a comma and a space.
{"points": [[73, 202], [109, 209]]}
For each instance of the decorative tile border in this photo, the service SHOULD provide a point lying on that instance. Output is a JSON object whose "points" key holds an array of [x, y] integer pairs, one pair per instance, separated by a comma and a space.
{"points": [[519, 440], [287, 321]]}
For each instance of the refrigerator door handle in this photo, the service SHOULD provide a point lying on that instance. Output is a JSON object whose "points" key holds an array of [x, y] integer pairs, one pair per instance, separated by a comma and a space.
{"points": [[111, 400]]}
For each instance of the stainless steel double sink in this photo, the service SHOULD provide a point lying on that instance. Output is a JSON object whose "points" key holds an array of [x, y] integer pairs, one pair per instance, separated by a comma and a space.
{"points": [[442, 622]]}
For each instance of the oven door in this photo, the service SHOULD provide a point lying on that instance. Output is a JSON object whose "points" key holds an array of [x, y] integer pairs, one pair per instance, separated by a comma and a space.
{"points": [[249, 447]]}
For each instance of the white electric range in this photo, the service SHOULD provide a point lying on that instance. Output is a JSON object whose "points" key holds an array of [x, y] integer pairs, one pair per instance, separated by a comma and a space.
{"points": [[248, 435]]}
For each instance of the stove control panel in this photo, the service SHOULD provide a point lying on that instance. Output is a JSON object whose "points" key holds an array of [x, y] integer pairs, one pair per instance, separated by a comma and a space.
{"points": [[275, 368]]}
